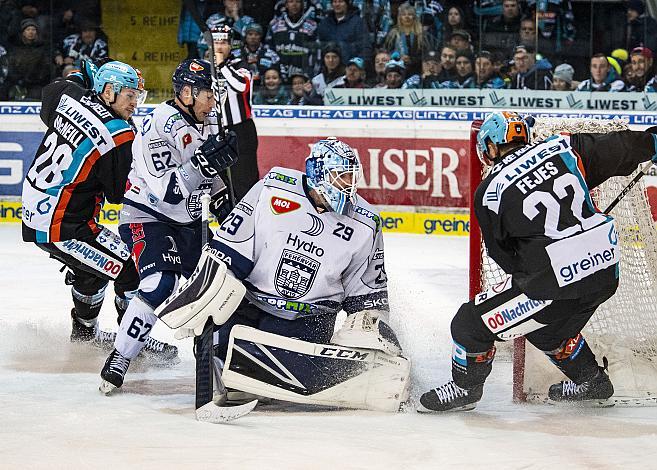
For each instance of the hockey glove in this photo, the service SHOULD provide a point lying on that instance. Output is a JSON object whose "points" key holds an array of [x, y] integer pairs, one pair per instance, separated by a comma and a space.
{"points": [[221, 153], [220, 206]]}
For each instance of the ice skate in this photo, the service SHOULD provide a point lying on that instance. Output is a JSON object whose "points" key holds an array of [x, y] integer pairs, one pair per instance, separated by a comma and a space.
{"points": [[450, 397], [113, 372], [595, 391], [159, 352], [83, 333]]}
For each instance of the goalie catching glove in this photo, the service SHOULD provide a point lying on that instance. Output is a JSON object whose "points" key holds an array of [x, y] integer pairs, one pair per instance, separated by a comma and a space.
{"points": [[216, 154], [366, 329], [211, 291]]}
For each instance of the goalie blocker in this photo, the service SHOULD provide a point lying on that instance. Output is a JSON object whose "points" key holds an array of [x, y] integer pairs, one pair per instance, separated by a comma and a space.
{"points": [[292, 370]]}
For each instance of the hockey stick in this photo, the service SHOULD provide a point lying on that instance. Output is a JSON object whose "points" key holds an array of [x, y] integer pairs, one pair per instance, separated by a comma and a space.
{"points": [[628, 188], [206, 409]]}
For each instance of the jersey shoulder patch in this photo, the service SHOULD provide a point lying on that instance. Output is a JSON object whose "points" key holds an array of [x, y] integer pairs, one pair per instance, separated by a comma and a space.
{"points": [[285, 179], [167, 119], [366, 213]]}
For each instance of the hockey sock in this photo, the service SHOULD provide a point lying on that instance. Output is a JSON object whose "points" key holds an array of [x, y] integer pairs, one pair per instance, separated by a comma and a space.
{"points": [[470, 369], [135, 328], [121, 303], [87, 307], [575, 359]]}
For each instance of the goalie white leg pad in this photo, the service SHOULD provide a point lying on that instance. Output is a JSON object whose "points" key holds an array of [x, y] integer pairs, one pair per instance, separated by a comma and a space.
{"points": [[210, 291], [364, 330], [288, 369]]}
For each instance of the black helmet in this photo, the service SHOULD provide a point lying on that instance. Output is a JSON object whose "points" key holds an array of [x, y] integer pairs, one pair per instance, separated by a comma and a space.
{"points": [[222, 32], [194, 73]]}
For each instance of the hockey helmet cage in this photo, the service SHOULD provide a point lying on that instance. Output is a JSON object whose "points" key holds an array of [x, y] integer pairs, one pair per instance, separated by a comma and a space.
{"points": [[501, 127], [120, 75], [333, 170]]}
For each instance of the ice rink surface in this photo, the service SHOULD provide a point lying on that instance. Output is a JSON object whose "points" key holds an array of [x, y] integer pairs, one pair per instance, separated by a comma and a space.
{"points": [[52, 415]]}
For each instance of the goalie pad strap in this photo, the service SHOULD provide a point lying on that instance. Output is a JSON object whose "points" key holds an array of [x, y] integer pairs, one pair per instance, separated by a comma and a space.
{"points": [[288, 369]]}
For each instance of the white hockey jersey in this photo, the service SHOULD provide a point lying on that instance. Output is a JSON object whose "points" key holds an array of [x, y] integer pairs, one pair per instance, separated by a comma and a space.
{"points": [[160, 188], [296, 261]]}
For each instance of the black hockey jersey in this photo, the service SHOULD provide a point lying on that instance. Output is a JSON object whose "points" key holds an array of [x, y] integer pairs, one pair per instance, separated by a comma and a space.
{"points": [[538, 220], [84, 159]]}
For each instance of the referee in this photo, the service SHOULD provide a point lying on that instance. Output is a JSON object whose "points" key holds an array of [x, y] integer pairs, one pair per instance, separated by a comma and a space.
{"points": [[236, 111]]}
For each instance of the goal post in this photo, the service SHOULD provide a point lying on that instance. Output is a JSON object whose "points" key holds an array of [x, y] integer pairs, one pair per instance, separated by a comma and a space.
{"points": [[623, 329]]}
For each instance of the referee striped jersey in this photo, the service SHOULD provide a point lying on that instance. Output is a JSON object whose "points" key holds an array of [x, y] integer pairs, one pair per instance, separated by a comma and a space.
{"points": [[237, 107]]}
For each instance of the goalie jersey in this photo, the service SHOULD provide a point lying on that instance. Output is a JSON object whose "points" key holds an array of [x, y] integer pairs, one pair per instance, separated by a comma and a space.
{"points": [[159, 188], [539, 222], [296, 261]]}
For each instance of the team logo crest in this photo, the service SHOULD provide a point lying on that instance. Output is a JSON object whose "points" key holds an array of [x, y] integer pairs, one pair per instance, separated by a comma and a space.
{"points": [[280, 205], [195, 67], [317, 226], [295, 274]]}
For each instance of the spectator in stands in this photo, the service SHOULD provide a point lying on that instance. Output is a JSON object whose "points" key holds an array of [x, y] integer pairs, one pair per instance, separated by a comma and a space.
{"points": [[333, 69], [464, 71], [10, 16], [556, 25], [603, 76], [562, 78], [310, 9], [272, 91], [302, 93], [430, 71], [32, 10], [293, 37], [86, 45], [447, 64], [485, 76], [461, 41], [455, 21], [527, 34], [378, 80], [256, 55], [262, 11], [501, 32], [429, 13], [530, 73], [641, 28], [354, 76], [343, 25], [377, 17], [28, 65], [395, 72], [640, 69], [408, 38]]}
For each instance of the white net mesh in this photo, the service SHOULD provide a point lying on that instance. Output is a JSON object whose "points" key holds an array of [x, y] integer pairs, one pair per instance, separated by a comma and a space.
{"points": [[624, 329]]}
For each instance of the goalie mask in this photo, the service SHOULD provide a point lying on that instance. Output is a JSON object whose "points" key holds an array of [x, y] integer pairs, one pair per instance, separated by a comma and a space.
{"points": [[501, 128], [333, 170]]}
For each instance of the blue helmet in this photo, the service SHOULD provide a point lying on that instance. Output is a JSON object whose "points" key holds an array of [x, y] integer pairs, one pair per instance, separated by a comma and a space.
{"points": [[194, 73], [333, 170], [501, 127], [119, 75]]}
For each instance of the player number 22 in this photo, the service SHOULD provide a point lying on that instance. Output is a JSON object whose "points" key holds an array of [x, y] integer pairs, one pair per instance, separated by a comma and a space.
{"points": [[553, 207]]}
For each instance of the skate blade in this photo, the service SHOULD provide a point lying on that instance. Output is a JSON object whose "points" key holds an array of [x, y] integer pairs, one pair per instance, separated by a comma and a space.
{"points": [[211, 413], [595, 403], [106, 388], [422, 409]]}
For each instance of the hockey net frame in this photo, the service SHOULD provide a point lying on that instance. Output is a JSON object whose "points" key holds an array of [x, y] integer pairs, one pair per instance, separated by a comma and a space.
{"points": [[623, 329]]}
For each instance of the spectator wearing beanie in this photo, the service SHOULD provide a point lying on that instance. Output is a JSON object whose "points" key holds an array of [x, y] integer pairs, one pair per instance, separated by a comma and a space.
{"points": [[640, 69], [354, 76], [562, 78], [641, 28], [344, 26], [332, 73], [603, 76], [29, 67], [395, 72], [430, 71], [257, 56]]}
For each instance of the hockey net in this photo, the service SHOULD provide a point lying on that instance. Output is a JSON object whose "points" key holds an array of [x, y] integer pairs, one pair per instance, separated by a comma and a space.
{"points": [[623, 329]]}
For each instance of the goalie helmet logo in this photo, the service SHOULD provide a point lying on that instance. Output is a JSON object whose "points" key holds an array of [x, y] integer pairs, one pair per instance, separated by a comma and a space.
{"points": [[295, 274]]}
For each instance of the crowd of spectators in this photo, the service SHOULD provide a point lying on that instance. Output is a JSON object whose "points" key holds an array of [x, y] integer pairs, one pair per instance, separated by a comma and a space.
{"points": [[38, 44], [298, 49]]}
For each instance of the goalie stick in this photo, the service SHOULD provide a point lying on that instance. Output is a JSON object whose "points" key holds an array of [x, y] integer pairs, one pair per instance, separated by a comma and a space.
{"points": [[206, 409], [630, 185]]}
